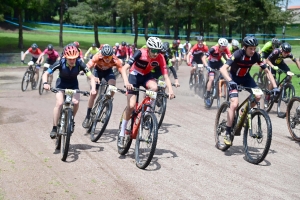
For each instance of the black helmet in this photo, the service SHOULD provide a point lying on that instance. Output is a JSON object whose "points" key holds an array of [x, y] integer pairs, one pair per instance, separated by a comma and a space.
{"points": [[174, 42], [165, 47], [286, 47], [50, 47], [250, 41], [276, 42], [199, 38], [34, 46], [107, 50], [94, 45], [123, 43]]}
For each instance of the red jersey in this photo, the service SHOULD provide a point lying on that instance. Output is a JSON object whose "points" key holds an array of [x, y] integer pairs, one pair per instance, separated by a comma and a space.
{"points": [[198, 51], [121, 51], [35, 54], [215, 53]]}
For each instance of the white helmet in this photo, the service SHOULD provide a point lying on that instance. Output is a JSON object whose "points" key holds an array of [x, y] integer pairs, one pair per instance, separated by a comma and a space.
{"points": [[154, 43], [235, 43], [223, 42], [117, 44]]}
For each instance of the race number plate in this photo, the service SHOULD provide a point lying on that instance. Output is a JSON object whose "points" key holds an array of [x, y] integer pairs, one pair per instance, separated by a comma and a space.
{"points": [[151, 94], [161, 84], [257, 91]]}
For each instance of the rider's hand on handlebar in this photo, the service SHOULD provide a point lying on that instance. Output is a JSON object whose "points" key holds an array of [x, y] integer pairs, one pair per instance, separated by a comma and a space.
{"points": [[46, 86], [171, 95], [128, 86], [177, 83], [189, 64], [275, 68], [93, 92], [275, 91], [97, 80], [232, 85]]}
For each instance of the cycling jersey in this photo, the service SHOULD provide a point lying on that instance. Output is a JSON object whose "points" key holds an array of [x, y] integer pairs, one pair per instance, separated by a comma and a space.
{"points": [[174, 50], [187, 47], [215, 53], [232, 50], [241, 63], [98, 62], [91, 51], [141, 63], [35, 54], [267, 48], [276, 57], [121, 51], [198, 52], [51, 56]]}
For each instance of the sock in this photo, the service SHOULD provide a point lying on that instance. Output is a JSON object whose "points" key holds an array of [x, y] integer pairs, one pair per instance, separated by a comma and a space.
{"points": [[123, 127], [228, 130], [54, 128], [88, 113], [207, 93]]}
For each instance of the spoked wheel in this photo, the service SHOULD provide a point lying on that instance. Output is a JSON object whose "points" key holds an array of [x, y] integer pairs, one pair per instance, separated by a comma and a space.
{"points": [[66, 134], [202, 88], [293, 118], [261, 82], [25, 81], [101, 120], [257, 143], [146, 141], [222, 93], [287, 94], [41, 86], [160, 109], [220, 127], [128, 139]]}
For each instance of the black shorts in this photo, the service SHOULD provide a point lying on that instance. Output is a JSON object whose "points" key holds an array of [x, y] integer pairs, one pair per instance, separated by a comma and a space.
{"points": [[66, 84], [106, 74], [50, 62], [139, 80], [283, 66], [215, 65]]}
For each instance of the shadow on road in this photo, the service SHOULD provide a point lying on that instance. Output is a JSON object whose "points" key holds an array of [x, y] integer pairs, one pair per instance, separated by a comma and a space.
{"points": [[292, 139], [164, 128], [108, 136]]}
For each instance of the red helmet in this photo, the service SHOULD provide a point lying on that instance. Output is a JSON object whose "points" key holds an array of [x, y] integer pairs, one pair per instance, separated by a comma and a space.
{"points": [[178, 41], [71, 52], [76, 44]]}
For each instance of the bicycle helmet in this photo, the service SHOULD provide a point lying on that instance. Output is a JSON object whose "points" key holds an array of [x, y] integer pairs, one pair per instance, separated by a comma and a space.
{"points": [[117, 44], [107, 50], [165, 47], [235, 43], [94, 45], [178, 41], [276, 42], [174, 42], [76, 44], [186, 41], [199, 38], [223, 42], [50, 47], [71, 52], [34, 46], [286, 47], [154, 43], [250, 41], [123, 43]]}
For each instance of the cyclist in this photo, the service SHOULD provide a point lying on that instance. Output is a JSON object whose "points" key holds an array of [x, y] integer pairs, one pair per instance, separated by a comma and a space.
{"points": [[91, 51], [187, 47], [35, 52], [241, 62], [234, 46], [276, 61], [197, 53], [69, 67], [52, 57], [122, 52], [175, 52], [266, 51], [214, 55], [103, 63], [182, 49], [141, 64]]}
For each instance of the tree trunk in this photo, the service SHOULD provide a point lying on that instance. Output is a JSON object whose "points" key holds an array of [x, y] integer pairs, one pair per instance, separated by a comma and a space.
{"points": [[223, 27], [96, 34], [176, 29], [188, 31], [201, 28], [230, 32], [20, 16], [135, 20], [61, 15], [146, 21], [124, 24], [114, 22], [167, 27]]}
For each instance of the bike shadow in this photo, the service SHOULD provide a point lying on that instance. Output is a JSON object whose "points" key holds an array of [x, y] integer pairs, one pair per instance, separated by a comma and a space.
{"points": [[292, 139], [164, 128], [74, 151], [108, 136]]}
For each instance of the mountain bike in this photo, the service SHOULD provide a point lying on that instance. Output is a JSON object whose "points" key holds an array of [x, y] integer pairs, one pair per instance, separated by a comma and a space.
{"points": [[199, 80], [262, 81], [287, 91], [29, 77], [101, 111], [65, 124], [41, 85], [256, 123], [142, 126], [293, 118]]}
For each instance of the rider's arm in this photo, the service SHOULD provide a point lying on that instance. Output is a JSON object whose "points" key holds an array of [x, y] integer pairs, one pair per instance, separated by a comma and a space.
{"points": [[224, 72], [24, 55], [204, 58], [88, 73], [87, 53], [272, 56], [267, 71], [41, 55], [137, 54], [266, 47]]}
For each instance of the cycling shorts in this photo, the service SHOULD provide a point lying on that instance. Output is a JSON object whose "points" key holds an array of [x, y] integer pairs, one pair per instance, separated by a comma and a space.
{"points": [[106, 74], [66, 84], [246, 81], [215, 65], [283, 66], [139, 80]]}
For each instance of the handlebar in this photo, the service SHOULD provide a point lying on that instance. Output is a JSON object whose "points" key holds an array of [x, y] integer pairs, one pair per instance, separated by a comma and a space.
{"points": [[55, 90]]}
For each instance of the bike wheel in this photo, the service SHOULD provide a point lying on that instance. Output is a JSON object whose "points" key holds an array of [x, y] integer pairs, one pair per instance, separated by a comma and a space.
{"points": [[222, 93], [202, 87], [146, 141], [101, 120], [160, 109], [66, 135], [220, 127], [25, 81], [292, 118], [41, 86], [33, 82], [128, 139], [257, 143], [268, 104], [288, 92], [211, 96]]}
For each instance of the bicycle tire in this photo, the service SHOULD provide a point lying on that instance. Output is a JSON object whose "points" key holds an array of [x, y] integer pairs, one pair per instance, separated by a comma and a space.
{"points": [[252, 156], [220, 127], [160, 111], [128, 139], [105, 112], [65, 137], [32, 81], [222, 98], [149, 122], [25, 81], [203, 81], [292, 118], [211, 96], [288, 92], [41, 86]]}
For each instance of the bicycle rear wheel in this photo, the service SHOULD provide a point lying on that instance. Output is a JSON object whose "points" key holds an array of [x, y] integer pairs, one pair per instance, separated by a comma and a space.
{"points": [[288, 92], [257, 143], [160, 109], [33, 82], [146, 140], [222, 93], [292, 118], [211, 96], [220, 127], [41, 86], [25, 81], [66, 135], [128, 139], [101, 120]]}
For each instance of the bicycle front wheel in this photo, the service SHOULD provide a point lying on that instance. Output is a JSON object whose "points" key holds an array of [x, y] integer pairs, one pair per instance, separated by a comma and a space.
{"points": [[128, 139], [257, 136], [146, 141], [101, 120], [293, 118], [33, 82], [66, 135], [25, 81], [41, 86], [288, 92], [160, 109]]}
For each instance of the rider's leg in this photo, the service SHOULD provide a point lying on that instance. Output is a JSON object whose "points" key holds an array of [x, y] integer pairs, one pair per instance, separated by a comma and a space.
{"points": [[211, 76], [76, 99]]}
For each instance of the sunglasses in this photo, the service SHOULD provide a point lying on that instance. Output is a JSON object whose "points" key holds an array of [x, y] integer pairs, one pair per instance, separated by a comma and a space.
{"points": [[286, 52], [154, 50], [107, 57]]}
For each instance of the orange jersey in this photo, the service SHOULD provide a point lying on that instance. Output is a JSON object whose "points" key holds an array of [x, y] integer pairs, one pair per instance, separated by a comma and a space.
{"points": [[98, 62], [35, 54]]}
